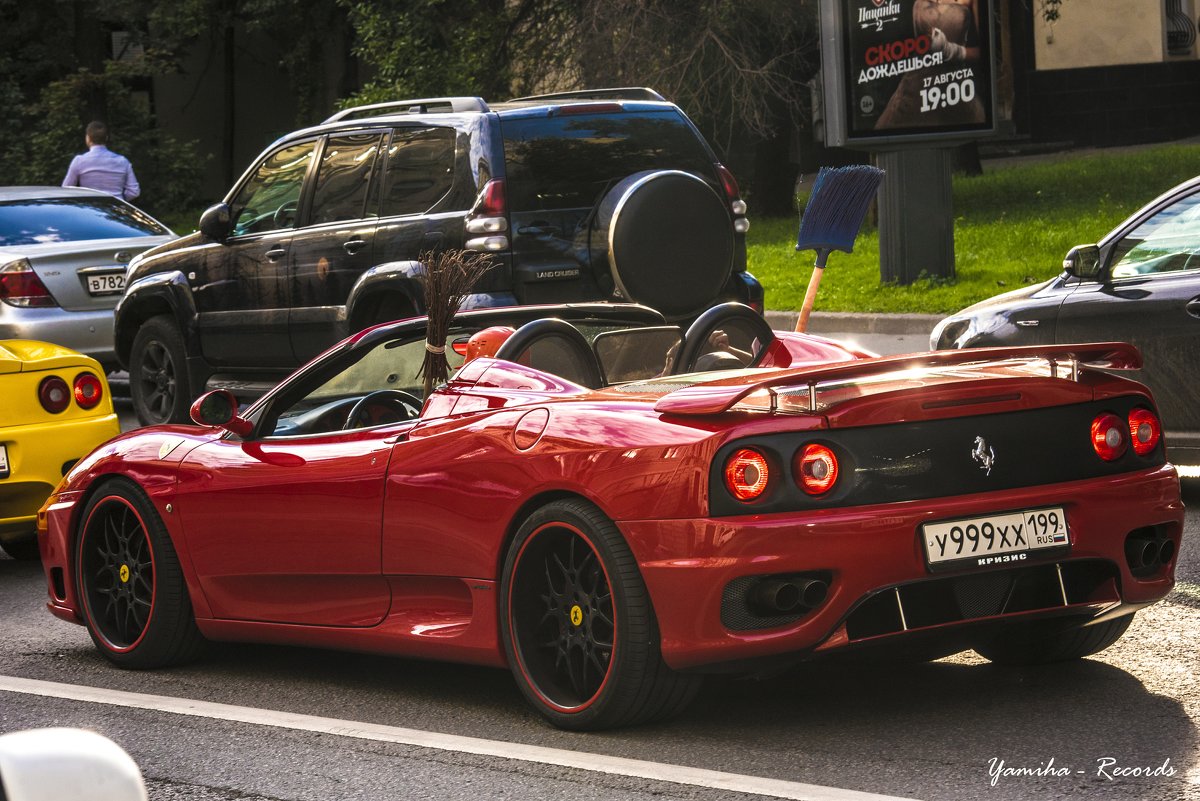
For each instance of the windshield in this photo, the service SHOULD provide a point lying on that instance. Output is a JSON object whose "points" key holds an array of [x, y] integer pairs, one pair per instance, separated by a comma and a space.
{"points": [[39, 221], [569, 161]]}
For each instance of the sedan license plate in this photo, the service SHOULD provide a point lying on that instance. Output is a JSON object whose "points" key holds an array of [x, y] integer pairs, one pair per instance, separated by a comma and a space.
{"points": [[3, 461], [994, 539], [106, 283]]}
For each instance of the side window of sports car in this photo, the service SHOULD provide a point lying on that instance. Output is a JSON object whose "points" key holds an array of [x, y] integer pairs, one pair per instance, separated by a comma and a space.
{"points": [[388, 373], [344, 176], [270, 199], [1167, 242]]}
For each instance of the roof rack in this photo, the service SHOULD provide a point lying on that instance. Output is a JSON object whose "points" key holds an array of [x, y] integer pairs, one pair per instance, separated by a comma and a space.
{"points": [[623, 93], [422, 105]]}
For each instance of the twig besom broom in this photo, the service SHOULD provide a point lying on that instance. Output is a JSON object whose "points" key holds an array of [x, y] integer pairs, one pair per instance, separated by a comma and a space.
{"points": [[836, 207], [449, 277]]}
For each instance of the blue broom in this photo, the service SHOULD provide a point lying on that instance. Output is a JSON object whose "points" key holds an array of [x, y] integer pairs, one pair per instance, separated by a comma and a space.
{"points": [[835, 211]]}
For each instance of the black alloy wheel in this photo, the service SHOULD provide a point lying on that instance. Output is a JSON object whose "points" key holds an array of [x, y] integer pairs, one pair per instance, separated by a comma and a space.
{"points": [[158, 378], [578, 625], [129, 584]]}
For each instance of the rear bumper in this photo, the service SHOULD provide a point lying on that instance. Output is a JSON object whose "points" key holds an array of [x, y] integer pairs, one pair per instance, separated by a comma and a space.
{"points": [[37, 455], [89, 332], [869, 551]]}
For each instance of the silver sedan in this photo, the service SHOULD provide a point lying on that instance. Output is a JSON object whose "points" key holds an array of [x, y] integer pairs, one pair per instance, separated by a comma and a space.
{"points": [[63, 253]]}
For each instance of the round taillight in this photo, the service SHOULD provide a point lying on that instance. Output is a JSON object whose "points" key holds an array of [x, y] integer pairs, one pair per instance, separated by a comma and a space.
{"points": [[54, 394], [88, 390], [1144, 430], [1109, 436], [747, 474], [816, 469]]}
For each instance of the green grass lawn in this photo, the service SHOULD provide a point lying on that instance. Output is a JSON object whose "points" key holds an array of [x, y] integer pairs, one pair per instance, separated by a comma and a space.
{"points": [[1013, 225]]}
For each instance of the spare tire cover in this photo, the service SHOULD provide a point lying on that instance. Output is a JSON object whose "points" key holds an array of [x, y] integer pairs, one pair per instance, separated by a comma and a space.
{"points": [[670, 241]]}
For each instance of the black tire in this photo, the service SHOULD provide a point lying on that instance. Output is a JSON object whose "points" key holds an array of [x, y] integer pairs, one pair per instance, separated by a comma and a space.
{"points": [[1041, 642], [578, 625], [158, 374], [25, 550], [670, 239], [392, 306], [131, 590]]}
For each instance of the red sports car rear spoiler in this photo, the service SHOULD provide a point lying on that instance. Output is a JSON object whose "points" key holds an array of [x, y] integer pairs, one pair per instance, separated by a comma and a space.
{"points": [[718, 396]]}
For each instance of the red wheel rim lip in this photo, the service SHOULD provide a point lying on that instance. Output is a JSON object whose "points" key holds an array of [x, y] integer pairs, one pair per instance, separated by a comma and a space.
{"points": [[529, 682], [85, 604]]}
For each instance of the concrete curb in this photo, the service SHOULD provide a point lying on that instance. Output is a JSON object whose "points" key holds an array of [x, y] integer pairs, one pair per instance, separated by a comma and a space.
{"points": [[856, 323]]}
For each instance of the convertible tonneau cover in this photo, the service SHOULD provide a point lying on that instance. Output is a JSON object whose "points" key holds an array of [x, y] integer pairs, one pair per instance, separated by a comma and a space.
{"points": [[719, 396]]}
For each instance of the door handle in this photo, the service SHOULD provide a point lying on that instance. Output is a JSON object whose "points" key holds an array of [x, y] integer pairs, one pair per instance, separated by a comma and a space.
{"points": [[1193, 307], [354, 245], [275, 254]]}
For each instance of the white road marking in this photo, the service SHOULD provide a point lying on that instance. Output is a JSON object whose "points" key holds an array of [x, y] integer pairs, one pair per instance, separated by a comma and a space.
{"points": [[598, 763]]}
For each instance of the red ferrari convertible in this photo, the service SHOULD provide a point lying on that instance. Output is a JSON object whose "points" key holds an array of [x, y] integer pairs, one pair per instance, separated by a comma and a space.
{"points": [[611, 507]]}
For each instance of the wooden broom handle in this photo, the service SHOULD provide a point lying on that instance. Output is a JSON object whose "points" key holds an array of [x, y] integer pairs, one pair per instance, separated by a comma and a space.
{"points": [[810, 297]]}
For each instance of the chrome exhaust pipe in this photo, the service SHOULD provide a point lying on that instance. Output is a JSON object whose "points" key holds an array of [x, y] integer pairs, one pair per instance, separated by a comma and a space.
{"points": [[776, 596], [1166, 551], [1142, 552], [786, 596]]}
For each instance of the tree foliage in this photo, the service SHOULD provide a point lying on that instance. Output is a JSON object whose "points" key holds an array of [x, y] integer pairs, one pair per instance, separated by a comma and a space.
{"points": [[49, 93], [736, 67]]}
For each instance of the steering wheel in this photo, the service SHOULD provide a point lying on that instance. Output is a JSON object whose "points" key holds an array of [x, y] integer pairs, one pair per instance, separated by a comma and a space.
{"points": [[706, 345], [285, 215], [392, 401]]}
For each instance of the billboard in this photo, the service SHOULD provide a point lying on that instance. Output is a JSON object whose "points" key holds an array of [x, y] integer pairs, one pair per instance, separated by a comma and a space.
{"points": [[898, 71]]}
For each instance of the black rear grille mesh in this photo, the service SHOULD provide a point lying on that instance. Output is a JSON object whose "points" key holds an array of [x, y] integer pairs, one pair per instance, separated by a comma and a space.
{"points": [[955, 599]]}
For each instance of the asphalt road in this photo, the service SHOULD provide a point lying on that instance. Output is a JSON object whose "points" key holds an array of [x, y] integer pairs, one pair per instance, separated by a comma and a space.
{"points": [[929, 731]]}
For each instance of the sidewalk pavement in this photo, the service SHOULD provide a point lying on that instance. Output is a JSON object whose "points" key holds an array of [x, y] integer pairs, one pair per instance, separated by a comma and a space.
{"points": [[885, 334]]}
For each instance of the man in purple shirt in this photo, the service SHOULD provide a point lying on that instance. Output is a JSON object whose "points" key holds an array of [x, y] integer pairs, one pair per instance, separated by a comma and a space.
{"points": [[102, 169]]}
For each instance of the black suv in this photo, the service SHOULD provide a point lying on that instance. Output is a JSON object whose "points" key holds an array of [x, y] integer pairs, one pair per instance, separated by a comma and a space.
{"points": [[582, 196]]}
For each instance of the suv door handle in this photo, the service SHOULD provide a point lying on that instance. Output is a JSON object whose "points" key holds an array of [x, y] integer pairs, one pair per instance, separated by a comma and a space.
{"points": [[1193, 307], [354, 245], [275, 254]]}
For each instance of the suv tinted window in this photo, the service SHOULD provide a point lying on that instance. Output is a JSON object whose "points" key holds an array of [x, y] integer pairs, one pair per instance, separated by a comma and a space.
{"points": [[568, 161], [420, 170], [268, 201], [343, 177], [38, 221]]}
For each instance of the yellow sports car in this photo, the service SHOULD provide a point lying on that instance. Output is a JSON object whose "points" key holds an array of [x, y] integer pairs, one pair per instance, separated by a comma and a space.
{"points": [[54, 409]]}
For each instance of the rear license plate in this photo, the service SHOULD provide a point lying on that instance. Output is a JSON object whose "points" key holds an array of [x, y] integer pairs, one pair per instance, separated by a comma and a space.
{"points": [[106, 283], [994, 539], [3, 461]]}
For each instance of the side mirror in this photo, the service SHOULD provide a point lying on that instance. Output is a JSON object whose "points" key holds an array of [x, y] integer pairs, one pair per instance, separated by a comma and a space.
{"points": [[219, 408], [215, 222], [1083, 261], [50, 764]]}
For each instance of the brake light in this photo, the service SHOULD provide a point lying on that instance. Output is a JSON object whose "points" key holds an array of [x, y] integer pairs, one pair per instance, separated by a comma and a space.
{"points": [[21, 286], [1144, 430], [54, 394], [88, 390], [746, 474], [586, 108], [732, 192], [1109, 436], [489, 217], [816, 469], [492, 199]]}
